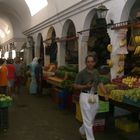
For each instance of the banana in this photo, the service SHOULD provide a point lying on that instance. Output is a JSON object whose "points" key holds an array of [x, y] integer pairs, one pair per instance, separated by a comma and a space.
{"points": [[120, 69], [109, 48], [109, 62], [137, 50], [123, 43]]}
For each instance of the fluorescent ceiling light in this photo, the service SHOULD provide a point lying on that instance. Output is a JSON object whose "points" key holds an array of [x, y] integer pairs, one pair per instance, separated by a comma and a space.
{"points": [[6, 55], [13, 54], [36, 5]]}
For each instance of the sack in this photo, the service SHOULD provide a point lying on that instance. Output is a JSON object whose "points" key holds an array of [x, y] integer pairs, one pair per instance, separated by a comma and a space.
{"points": [[92, 98]]}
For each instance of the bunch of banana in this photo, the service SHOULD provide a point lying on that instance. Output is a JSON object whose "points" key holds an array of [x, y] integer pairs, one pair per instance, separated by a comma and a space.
{"points": [[123, 42], [109, 48], [120, 69], [109, 62], [137, 39], [137, 50], [121, 57]]}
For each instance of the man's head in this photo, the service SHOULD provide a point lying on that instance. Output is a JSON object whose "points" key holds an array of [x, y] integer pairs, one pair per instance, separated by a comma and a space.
{"points": [[90, 61]]}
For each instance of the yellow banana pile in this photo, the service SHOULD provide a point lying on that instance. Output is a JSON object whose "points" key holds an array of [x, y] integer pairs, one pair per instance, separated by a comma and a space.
{"points": [[120, 69], [109, 48], [109, 62], [137, 50]]}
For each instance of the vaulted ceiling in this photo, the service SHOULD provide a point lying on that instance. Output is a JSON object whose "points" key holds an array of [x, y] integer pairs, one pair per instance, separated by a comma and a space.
{"points": [[14, 15]]}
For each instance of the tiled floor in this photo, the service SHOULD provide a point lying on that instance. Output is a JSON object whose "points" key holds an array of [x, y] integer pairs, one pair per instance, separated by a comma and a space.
{"points": [[38, 118]]}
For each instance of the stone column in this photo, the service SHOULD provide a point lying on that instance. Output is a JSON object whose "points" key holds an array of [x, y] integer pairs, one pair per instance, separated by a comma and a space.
{"points": [[82, 50], [61, 53]]}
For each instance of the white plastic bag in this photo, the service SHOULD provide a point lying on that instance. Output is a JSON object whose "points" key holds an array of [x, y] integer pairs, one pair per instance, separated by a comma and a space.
{"points": [[92, 97]]}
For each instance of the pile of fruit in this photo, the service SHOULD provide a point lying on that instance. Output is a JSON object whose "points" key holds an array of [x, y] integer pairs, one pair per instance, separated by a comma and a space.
{"points": [[117, 95], [5, 101], [126, 82], [133, 94], [122, 88], [131, 81]]}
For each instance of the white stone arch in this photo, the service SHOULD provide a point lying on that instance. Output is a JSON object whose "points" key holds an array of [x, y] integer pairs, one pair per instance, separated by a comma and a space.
{"points": [[51, 37], [83, 38], [125, 15], [62, 51]]}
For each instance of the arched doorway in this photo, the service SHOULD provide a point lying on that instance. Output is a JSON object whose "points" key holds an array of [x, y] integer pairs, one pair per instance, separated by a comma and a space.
{"points": [[40, 47], [132, 60], [51, 45], [98, 38], [70, 43]]}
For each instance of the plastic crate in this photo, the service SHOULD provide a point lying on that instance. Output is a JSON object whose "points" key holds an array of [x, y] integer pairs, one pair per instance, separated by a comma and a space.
{"points": [[78, 114], [126, 125], [131, 102], [103, 107]]}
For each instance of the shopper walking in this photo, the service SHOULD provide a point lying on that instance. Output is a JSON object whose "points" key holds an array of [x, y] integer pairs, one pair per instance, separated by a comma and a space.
{"points": [[33, 83], [39, 76], [3, 77], [18, 76], [11, 76], [86, 80]]}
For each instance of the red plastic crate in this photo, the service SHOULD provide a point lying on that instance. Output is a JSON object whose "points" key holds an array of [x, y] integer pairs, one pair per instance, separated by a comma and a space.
{"points": [[99, 125]]}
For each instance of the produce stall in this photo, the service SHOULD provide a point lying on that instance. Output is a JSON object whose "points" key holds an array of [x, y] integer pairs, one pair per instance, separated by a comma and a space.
{"points": [[61, 85], [124, 92]]}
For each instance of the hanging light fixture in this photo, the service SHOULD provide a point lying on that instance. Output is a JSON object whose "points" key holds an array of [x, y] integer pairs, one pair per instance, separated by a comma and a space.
{"points": [[101, 11]]}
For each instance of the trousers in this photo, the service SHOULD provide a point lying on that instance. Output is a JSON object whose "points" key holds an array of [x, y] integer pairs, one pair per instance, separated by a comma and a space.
{"points": [[88, 111]]}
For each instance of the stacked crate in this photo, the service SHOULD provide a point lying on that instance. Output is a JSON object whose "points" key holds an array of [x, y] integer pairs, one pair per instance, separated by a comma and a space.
{"points": [[3, 118]]}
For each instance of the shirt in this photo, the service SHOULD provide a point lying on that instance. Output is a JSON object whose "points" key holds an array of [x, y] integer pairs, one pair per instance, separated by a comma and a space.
{"points": [[85, 77]]}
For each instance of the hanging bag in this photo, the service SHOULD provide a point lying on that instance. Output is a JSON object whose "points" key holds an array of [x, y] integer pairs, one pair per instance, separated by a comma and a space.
{"points": [[92, 97]]}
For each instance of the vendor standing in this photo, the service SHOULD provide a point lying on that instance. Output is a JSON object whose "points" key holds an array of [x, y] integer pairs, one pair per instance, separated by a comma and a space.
{"points": [[86, 80]]}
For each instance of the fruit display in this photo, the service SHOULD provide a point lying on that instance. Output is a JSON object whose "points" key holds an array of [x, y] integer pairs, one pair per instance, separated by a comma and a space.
{"points": [[126, 82], [109, 88], [133, 94], [129, 81], [117, 95], [122, 88], [109, 48], [5, 101]]}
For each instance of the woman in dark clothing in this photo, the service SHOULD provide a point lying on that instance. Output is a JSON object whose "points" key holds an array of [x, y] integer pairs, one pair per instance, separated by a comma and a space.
{"points": [[39, 76]]}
